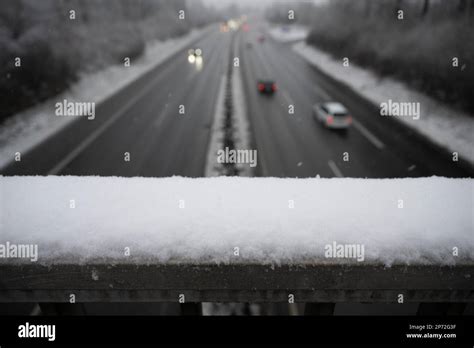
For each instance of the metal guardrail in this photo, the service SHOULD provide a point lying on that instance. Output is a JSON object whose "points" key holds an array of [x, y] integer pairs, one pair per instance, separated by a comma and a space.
{"points": [[321, 282]]}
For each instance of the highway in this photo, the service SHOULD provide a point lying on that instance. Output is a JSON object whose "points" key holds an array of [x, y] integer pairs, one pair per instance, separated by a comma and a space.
{"points": [[297, 146], [143, 119]]}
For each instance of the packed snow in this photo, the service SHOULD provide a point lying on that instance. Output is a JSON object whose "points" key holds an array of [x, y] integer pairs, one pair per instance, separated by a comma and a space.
{"points": [[240, 126], [288, 33], [238, 220], [23, 131], [443, 125]]}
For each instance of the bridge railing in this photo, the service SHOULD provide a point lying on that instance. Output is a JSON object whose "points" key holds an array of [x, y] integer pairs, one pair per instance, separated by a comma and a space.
{"points": [[320, 282]]}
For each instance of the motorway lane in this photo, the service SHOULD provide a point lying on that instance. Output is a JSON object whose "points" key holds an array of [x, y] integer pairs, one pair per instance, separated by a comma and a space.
{"points": [[143, 119], [160, 140], [279, 141], [297, 146], [304, 148]]}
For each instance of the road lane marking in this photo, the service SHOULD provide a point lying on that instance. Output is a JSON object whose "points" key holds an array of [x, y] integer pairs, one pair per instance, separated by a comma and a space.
{"points": [[335, 169], [287, 97], [94, 135], [89, 140], [366, 133]]}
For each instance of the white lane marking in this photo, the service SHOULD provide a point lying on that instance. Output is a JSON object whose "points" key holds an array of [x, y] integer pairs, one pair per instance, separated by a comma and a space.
{"points": [[216, 132], [335, 169], [287, 97], [320, 91], [365, 132], [91, 138]]}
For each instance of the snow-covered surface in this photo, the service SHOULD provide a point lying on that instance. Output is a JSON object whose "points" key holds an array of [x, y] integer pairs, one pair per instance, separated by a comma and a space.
{"points": [[203, 220], [241, 132], [443, 125], [216, 141], [23, 131], [288, 33], [240, 126]]}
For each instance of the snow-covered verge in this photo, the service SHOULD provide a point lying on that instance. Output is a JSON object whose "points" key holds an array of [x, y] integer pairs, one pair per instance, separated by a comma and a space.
{"points": [[25, 130], [240, 126], [438, 122], [94, 219], [288, 33]]}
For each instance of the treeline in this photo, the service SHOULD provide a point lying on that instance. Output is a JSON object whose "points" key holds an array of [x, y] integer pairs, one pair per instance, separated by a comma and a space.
{"points": [[44, 45], [431, 48], [305, 10]]}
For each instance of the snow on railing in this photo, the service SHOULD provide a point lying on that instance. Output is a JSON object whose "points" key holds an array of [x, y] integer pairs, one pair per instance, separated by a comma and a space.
{"points": [[236, 239], [238, 220]]}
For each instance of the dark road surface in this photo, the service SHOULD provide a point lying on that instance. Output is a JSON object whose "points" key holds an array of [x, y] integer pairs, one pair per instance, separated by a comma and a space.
{"points": [[143, 119], [297, 146]]}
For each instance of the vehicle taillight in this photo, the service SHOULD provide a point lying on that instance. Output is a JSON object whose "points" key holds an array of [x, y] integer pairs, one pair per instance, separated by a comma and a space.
{"points": [[349, 119], [261, 87], [274, 87], [330, 120]]}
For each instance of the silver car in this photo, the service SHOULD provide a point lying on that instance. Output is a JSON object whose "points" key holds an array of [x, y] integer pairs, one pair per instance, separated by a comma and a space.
{"points": [[332, 115]]}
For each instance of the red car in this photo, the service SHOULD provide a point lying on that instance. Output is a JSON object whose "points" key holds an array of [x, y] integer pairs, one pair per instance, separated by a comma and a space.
{"points": [[267, 87]]}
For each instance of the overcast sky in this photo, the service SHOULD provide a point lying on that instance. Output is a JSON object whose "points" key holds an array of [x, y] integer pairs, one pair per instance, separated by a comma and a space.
{"points": [[224, 3]]}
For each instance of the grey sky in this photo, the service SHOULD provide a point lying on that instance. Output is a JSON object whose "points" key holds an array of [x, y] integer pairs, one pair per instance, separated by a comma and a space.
{"points": [[253, 3]]}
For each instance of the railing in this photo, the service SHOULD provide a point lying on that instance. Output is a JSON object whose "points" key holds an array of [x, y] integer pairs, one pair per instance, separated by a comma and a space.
{"points": [[317, 283]]}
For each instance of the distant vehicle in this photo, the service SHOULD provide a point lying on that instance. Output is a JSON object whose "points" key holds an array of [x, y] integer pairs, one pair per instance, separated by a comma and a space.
{"points": [[249, 45], [267, 87], [261, 38], [332, 115], [194, 55]]}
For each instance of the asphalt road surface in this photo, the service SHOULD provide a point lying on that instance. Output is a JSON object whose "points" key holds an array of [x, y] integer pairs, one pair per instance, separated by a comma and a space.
{"points": [[143, 119]]}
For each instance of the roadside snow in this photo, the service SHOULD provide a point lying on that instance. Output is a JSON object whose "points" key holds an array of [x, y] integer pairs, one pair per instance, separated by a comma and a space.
{"points": [[241, 122], [240, 126], [25, 130], [204, 220], [441, 124], [288, 33]]}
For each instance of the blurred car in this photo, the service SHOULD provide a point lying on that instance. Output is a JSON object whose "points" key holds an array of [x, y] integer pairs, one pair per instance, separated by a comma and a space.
{"points": [[194, 55], [261, 38], [249, 45], [332, 115], [267, 87]]}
